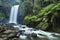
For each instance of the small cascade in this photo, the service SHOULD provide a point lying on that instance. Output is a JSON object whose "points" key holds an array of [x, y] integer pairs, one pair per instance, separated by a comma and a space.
{"points": [[29, 31], [13, 14]]}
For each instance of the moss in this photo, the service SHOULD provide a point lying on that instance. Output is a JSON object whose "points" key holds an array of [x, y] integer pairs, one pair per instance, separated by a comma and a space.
{"points": [[42, 25], [44, 18], [48, 9], [45, 10], [30, 18], [2, 16]]}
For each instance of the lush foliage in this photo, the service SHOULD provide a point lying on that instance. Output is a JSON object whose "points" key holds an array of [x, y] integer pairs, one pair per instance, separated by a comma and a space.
{"points": [[44, 18], [40, 14]]}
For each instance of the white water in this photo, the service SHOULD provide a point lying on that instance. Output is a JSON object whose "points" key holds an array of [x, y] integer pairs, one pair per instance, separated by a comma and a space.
{"points": [[13, 14], [47, 35], [23, 37], [13, 19]]}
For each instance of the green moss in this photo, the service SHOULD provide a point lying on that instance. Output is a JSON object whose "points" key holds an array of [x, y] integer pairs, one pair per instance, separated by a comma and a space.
{"points": [[45, 16], [2, 16], [42, 25], [45, 10], [48, 9]]}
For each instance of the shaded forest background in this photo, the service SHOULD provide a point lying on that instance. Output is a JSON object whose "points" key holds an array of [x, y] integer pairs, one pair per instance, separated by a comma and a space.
{"points": [[39, 14]]}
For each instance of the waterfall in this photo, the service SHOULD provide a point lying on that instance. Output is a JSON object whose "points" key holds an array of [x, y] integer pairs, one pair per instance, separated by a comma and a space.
{"points": [[13, 14], [27, 30]]}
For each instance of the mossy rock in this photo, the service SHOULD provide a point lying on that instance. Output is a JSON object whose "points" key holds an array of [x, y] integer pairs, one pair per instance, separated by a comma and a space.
{"points": [[44, 18], [42, 25]]}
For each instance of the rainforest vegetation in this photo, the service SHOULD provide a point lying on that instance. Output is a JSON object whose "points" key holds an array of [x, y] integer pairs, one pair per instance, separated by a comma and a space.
{"points": [[39, 14]]}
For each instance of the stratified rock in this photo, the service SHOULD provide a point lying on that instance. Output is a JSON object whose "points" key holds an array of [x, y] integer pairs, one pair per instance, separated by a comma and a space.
{"points": [[7, 32], [12, 35], [1, 39]]}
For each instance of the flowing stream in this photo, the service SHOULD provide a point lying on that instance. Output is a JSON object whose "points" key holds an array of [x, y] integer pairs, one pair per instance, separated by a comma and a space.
{"points": [[27, 30]]}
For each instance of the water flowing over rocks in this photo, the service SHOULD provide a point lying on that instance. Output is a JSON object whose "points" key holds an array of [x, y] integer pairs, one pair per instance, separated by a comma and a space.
{"points": [[22, 32], [8, 32], [15, 31]]}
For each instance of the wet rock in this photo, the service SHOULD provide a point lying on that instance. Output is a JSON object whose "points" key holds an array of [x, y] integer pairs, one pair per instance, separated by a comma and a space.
{"points": [[15, 39], [4, 35], [1, 39], [12, 35], [1, 24], [34, 35], [11, 24], [55, 35], [41, 34], [8, 32], [2, 29]]}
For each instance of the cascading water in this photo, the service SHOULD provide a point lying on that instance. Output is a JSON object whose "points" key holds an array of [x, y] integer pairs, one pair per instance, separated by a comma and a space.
{"points": [[40, 33], [13, 15]]}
